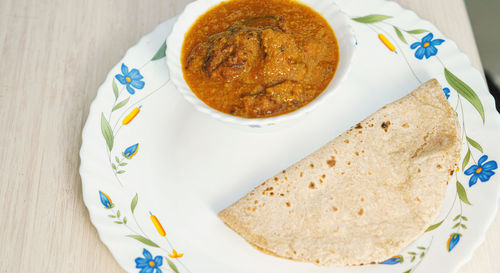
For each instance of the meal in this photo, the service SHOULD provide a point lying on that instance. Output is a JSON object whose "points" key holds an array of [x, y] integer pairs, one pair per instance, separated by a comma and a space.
{"points": [[365, 195], [257, 59]]}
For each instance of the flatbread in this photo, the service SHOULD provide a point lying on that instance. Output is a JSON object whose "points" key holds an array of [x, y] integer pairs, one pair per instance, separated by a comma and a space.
{"points": [[364, 196]]}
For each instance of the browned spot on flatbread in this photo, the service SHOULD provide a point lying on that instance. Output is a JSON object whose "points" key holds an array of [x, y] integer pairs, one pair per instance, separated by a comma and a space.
{"points": [[356, 153], [323, 176], [418, 199], [451, 172], [275, 178], [346, 141], [287, 204], [311, 165], [331, 162], [360, 212], [405, 125], [385, 125], [348, 162], [362, 199], [438, 166], [301, 174], [268, 189], [358, 126], [419, 170], [312, 185], [335, 209]]}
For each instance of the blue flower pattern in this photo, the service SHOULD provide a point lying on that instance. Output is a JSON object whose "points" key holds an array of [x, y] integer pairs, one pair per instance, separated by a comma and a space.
{"points": [[482, 171], [148, 264], [453, 241], [131, 79], [446, 91], [131, 151], [393, 260], [105, 200], [427, 47]]}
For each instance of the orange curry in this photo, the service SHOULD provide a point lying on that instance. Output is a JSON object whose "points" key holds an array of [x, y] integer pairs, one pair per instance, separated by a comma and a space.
{"points": [[257, 59]]}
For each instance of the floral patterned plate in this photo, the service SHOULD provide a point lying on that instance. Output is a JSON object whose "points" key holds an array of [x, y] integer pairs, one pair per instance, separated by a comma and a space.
{"points": [[155, 171]]}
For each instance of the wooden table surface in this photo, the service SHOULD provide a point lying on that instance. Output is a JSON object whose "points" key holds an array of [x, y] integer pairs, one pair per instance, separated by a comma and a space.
{"points": [[54, 54]]}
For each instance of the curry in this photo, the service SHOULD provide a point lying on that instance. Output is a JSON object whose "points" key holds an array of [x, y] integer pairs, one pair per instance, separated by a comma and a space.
{"points": [[257, 59]]}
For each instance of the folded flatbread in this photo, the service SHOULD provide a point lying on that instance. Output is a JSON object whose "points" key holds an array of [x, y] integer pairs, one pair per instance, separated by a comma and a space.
{"points": [[365, 195]]}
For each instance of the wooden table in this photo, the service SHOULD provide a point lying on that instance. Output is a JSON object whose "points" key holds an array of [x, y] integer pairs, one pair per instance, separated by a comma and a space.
{"points": [[54, 54]]}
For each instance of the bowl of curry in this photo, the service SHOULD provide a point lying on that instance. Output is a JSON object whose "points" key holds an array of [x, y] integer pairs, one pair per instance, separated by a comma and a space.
{"points": [[258, 63]]}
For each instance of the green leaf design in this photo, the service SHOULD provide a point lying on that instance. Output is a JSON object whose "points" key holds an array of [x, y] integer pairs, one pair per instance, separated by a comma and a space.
{"points": [[125, 219], [412, 253], [456, 225], [117, 159], [172, 265], [124, 164], [462, 194], [134, 202], [143, 240], [400, 35], [120, 171], [456, 218], [115, 89], [120, 104], [421, 247], [474, 144], [111, 216], [422, 255], [118, 222], [465, 90], [113, 166], [161, 52], [118, 214], [433, 227], [107, 132], [407, 271], [370, 19], [416, 31], [412, 259], [466, 159], [465, 218], [463, 226]]}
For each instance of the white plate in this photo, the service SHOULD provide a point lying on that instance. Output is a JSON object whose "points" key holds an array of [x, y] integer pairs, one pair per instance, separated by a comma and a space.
{"points": [[188, 166]]}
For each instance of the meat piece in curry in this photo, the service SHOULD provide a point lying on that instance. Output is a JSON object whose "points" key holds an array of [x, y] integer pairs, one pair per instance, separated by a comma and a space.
{"points": [[258, 59]]}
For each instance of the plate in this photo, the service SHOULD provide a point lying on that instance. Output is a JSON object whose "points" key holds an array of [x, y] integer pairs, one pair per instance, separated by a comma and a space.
{"points": [[155, 171]]}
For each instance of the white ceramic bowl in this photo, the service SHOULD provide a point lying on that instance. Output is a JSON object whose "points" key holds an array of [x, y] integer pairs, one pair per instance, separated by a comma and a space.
{"points": [[327, 8]]}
